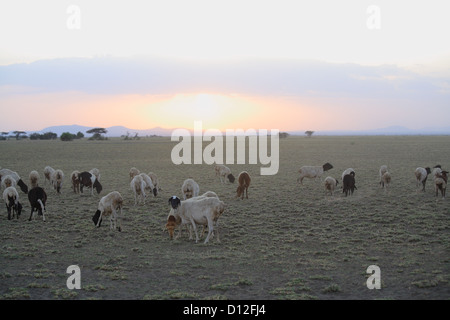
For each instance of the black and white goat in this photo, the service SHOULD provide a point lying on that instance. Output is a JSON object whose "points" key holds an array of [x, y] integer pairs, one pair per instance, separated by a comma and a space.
{"points": [[89, 180], [37, 198]]}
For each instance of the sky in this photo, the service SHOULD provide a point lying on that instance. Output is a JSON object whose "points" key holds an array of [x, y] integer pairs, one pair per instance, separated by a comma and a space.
{"points": [[287, 65]]}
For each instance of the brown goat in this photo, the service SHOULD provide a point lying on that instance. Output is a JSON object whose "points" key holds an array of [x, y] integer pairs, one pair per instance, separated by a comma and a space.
{"points": [[244, 182]]}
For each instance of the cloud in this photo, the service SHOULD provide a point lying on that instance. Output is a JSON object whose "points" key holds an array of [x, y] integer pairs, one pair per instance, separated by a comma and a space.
{"points": [[144, 75]]}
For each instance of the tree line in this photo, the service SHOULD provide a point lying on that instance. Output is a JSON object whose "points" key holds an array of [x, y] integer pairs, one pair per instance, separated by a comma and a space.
{"points": [[97, 134]]}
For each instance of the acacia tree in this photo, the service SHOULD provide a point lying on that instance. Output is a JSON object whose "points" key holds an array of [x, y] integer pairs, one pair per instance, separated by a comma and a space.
{"points": [[18, 134], [309, 133], [97, 133]]}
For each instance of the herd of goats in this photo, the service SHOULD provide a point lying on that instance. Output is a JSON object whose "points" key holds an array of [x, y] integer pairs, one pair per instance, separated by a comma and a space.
{"points": [[194, 210]]}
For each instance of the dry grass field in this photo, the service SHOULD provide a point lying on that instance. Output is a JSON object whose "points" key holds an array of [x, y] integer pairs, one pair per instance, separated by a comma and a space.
{"points": [[287, 241]]}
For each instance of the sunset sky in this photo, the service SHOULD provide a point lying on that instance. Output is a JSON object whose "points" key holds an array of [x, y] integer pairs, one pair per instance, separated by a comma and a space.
{"points": [[287, 65]]}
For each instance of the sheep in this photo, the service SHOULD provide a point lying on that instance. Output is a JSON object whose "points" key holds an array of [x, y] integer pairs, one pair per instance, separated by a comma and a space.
{"points": [[48, 173], [421, 176], [75, 181], [386, 179], [441, 183], [95, 172], [349, 184], [348, 171], [34, 178], [89, 180], [15, 176], [313, 171], [133, 172], [138, 186], [37, 198], [330, 184], [203, 211], [108, 206], [383, 170], [57, 180], [8, 181], [190, 189], [155, 180], [244, 182], [224, 173], [149, 184], [174, 219], [11, 198]]}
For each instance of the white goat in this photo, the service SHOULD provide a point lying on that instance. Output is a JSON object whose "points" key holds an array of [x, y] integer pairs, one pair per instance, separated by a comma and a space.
{"points": [[48, 173], [34, 178], [202, 211], [190, 189], [421, 176], [16, 177], [8, 181], [57, 180], [312, 172], [133, 172], [386, 179], [155, 180], [138, 186], [224, 173], [11, 198], [149, 184], [330, 184], [108, 206]]}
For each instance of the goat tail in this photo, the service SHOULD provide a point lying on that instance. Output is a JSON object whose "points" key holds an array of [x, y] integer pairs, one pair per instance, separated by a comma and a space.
{"points": [[42, 205]]}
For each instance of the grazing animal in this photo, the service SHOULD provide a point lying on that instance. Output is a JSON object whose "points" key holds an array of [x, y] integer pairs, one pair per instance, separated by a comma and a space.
{"points": [[174, 219], [13, 206], [386, 179], [138, 185], [421, 176], [8, 181], [89, 180], [133, 172], [171, 225], [75, 181], [155, 180], [202, 211], [37, 198], [190, 189], [48, 173], [313, 171], [16, 177], [348, 171], [383, 170], [96, 173], [34, 178], [149, 184], [244, 182], [441, 183], [349, 185], [57, 180], [330, 184], [109, 205], [224, 173]]}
